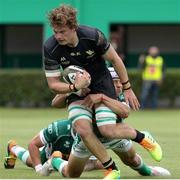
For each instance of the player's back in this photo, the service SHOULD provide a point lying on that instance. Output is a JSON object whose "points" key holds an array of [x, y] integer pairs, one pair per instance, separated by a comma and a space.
{"points": [[59, 135]]}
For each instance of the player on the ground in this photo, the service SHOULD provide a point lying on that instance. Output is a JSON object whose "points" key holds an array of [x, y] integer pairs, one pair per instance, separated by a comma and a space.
{"points": [[58, 136]]}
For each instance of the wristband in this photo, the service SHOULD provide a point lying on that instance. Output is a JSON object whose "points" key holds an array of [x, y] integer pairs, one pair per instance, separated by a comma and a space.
{"points": [[127, 88], [38, 167], [127, 85], [123, 83]]}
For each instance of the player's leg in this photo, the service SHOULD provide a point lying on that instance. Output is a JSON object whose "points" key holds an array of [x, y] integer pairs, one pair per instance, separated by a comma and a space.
{"points": [[93, 164], [76, 163], [79, 150], [72, 168], [106, 122], [15, 151], [81, 118], [72, 164], [128, 155]]}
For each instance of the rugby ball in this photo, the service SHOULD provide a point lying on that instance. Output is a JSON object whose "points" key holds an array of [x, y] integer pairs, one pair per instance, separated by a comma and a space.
{"points": [[69, 74]]}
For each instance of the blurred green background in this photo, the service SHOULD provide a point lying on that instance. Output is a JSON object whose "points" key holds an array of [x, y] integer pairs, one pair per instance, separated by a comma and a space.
{"points": [[138, 23]]}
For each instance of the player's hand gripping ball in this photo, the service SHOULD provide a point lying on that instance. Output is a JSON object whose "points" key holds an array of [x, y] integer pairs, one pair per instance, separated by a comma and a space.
{"points": [[69, 75]]}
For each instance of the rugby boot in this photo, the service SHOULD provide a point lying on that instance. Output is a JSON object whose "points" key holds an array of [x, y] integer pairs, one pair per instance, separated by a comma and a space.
{"points": [[159, 171], [151, 146], [10, 159], [112, 174]]}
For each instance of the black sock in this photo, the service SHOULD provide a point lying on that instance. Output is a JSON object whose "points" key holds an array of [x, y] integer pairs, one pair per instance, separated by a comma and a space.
{"points": [[139, 137], [110, 164]]}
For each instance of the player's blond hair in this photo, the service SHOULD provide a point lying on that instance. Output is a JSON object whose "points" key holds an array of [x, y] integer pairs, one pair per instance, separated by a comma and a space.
{"points": [[64, 15]]}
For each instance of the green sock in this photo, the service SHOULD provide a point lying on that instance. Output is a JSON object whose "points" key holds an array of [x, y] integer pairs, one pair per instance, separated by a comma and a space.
{"points": [[56, 163], [23, 156], [21, 153], [142, 169]]}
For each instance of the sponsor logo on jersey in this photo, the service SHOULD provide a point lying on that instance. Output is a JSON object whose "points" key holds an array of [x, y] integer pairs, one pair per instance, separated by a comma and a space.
{"points": [[67, 144], [90, 53], [64, 61], [75, 54]]}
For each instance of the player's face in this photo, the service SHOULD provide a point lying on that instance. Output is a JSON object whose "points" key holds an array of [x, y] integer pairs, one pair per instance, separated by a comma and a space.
{"points": [[64, 35], [118, 86]]}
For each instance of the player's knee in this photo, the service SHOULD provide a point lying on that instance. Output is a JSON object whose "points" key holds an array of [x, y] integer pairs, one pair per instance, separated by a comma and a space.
{"points": [[108, 131]]}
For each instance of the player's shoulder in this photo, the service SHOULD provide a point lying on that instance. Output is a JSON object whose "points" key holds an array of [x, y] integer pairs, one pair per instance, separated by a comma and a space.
{"points": [[57, 128], [64, 124], [87, 32], [50, 44]]}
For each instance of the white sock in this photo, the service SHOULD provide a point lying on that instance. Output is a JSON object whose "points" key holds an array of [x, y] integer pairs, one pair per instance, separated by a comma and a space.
{"points": [[17, 149]]}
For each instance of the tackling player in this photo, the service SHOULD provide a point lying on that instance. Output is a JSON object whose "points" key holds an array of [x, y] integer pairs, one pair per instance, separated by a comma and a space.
{"points": [[58, 136]]}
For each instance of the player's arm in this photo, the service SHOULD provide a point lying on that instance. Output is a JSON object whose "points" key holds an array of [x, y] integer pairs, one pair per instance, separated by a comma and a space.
{"points": [[119, 67], [106, 50], [119, 108], [59, 101], [33, 148], [59, 87], [117, 63], [52, 71]]}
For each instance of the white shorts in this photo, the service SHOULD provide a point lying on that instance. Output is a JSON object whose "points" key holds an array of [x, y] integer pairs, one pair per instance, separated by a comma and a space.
{"points": [[78, 111], [105, 116], [120, 145]]}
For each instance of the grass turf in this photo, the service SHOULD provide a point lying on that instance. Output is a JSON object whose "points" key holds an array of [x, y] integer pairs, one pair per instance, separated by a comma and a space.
{"points": [[23, 124]]}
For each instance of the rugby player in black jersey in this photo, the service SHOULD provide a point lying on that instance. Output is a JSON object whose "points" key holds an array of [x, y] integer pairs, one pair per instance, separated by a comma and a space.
{"points": [[123, 147], [87, 47]]}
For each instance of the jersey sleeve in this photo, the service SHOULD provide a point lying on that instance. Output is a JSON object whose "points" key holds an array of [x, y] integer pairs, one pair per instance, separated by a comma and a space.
{"points": [[102, 44], [51, 65]]}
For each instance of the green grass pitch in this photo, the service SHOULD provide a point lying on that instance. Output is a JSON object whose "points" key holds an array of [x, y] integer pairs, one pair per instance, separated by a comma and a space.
{"points": [[23, 124]]}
